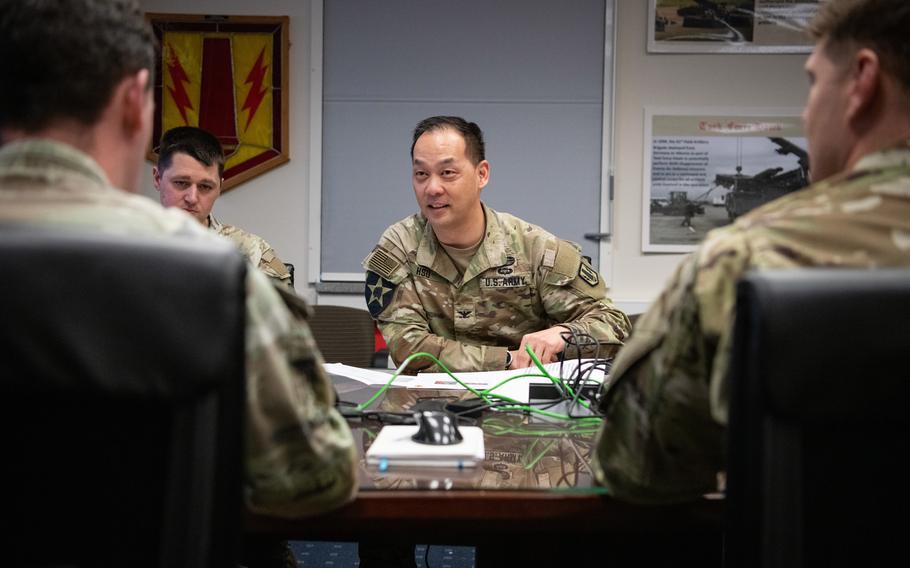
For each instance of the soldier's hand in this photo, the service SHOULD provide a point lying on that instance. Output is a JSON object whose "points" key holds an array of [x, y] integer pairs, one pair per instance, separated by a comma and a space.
{"points": [[547, 345]]}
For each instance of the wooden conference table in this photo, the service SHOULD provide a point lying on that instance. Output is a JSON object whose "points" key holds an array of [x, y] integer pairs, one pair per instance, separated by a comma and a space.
{"points": [[535, 482]]}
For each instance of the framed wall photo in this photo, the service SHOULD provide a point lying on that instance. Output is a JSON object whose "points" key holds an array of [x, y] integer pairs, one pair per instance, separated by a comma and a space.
{"points": [[705, 167], [730, 26], [228, 75]]}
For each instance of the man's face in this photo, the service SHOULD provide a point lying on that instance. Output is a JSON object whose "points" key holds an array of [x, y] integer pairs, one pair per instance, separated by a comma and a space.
{"points": [[447, 185], [825, 117], [189, 185]]}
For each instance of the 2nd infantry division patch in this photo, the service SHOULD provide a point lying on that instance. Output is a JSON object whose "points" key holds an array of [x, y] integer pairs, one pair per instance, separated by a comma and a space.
{"points": [[588, 274], [378, 293]]}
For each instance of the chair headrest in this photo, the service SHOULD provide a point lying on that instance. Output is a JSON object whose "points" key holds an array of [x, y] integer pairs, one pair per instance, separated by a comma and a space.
{"points": [[132, 315]]}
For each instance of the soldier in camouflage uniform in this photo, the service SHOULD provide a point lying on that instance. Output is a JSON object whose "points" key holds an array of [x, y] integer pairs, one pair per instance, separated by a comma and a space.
{"points": [[471, 285], [667, 401], [189, 174], [75, 136]]}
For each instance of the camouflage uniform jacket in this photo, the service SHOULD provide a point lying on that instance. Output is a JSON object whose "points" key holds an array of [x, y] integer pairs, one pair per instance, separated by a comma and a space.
{"points": [[667, 400], [522, 279], [255, 248], [300, 457]]}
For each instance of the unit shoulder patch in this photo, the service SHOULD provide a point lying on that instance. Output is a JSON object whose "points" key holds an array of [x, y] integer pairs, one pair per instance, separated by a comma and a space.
{"points": [[588, 274], [378, 292]]}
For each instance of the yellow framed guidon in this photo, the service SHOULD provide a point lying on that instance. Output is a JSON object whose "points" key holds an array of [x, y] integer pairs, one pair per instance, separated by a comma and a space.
{"points": [[227, 75]]}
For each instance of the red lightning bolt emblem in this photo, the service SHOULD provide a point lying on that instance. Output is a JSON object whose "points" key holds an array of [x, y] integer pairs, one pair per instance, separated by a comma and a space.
{"points": [[178, 77], [257, 93]]}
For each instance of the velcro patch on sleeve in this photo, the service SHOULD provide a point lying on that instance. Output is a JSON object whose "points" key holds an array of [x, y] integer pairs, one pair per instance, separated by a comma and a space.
{"points": [[567, 259], [549, 258], [278, 267], [382, 263]]}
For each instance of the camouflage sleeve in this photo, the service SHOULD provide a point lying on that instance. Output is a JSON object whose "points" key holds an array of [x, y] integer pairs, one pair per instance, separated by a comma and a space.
{"points": [[301, 458], [273, 267], [666, 404], [259, 252], [395, 304], [574, 295]]}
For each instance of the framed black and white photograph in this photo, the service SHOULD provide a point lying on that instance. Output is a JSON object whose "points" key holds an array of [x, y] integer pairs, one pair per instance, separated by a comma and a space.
{"points": [[705, 167], [730, 26]]}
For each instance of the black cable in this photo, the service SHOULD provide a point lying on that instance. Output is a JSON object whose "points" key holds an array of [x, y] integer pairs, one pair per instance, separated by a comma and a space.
{"points": [[583, 371]]}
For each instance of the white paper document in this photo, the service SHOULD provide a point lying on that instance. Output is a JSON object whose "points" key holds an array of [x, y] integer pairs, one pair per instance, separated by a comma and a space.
{"points": [[486, 379], [394, 447], [516, 389], [365, 376]]}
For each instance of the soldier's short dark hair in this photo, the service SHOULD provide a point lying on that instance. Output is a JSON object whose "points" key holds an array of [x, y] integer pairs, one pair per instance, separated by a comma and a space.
{"points": [[473, 137], [199, 144], [62, 59], [880, 25]]}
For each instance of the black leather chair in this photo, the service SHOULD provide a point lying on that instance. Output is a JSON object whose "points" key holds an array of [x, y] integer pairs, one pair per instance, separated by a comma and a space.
{"points": [[290, 267], [819, 437], [121, 400]]}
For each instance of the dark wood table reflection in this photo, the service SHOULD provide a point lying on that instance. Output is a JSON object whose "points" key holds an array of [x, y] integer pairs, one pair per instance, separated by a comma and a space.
{"points": [[535, 480], [522, 452]]}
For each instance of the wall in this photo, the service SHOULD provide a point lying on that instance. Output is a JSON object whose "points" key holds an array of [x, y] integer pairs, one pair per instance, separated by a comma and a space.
{"points": [[274, 205], [674, 80]]}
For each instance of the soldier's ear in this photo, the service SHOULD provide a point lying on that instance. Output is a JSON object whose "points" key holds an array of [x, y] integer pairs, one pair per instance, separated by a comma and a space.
{"points": [[866, 79], [135, 97], [483, 173]]}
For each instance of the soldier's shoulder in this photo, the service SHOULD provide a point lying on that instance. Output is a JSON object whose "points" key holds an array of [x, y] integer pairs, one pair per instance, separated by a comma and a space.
{"points": [[404, 235], [525, 228], [389, 257], [243, 236], [731, 241], [257, 250], [533, 239], [709, 277], [273, 266]]}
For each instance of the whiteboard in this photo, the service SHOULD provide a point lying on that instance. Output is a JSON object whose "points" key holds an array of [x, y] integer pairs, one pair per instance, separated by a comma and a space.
{"points": [[531, 73]]}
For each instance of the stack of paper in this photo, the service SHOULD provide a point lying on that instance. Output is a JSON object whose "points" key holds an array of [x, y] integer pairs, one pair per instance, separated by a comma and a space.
{"points": [[393, 447], [517, 389], [487, 379]]}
